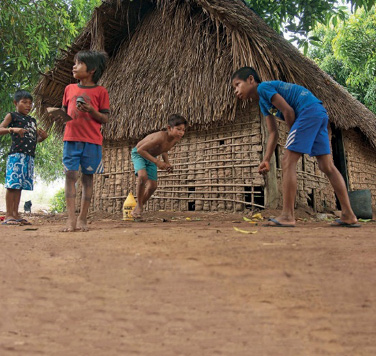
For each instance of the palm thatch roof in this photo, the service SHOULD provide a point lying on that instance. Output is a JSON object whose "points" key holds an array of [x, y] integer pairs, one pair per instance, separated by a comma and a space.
{"points": [[177, 56]]}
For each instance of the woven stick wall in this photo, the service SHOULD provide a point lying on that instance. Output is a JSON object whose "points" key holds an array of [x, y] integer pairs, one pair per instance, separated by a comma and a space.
{"points": [[213, 170], [361, 162]]}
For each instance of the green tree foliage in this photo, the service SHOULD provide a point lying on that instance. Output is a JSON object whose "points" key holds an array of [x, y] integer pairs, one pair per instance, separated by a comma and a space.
{"points": [[347, 52], [299, 17], [58, 204], [31, 34]]}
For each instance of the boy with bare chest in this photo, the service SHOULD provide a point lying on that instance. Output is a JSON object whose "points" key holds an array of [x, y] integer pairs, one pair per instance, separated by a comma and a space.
{"points": [[145, 161]]}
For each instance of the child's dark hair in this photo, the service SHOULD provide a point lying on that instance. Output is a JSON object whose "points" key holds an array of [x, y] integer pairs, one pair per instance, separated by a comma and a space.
{"points": [[93, 60], [22, 94], [244, 72], [176, 120]]}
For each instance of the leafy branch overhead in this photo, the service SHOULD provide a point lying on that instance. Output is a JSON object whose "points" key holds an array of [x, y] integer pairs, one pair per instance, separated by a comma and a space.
{"points": [[31, 34], [299, 17], [348, 53]]}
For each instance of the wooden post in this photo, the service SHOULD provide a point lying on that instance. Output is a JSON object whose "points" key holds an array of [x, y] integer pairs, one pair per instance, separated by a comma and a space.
{"points": [[271, 185]]}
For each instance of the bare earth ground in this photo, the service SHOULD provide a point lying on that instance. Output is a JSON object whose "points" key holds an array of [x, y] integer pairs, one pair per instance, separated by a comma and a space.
{"points": [[172, 287]]}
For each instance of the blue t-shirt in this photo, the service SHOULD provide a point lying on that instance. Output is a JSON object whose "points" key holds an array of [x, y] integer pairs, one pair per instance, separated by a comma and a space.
{"points": [[295, 95]]}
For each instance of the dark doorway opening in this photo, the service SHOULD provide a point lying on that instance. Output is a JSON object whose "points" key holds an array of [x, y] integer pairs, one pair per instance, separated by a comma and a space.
{"points": [[339, 155], [277, 158], [311, 199], [258, 197], [191, 204]]}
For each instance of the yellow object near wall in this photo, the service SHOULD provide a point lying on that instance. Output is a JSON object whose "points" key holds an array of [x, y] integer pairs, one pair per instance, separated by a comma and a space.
{"points": [[128, 207]]}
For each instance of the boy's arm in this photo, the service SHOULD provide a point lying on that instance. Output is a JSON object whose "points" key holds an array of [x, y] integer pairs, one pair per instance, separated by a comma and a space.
{"points": [[271, 124], [142, 150], [4, 129], [169, 166], [287, 111], [4, 125], [165, 157], [100, 117]]}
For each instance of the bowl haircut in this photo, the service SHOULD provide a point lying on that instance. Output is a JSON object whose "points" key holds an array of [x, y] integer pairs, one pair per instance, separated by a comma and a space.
{"points": [[176, 120], [93, 60], [244, 73], [22, 94]]}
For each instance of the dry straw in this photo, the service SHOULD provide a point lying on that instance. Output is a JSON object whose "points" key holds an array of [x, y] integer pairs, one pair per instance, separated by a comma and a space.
{"points": [[178, 55]]}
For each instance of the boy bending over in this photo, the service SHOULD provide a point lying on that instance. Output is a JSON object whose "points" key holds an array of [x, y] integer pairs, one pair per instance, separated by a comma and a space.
{"points": [[20, 162], [145, 162], [88, 105], [307, 121]]}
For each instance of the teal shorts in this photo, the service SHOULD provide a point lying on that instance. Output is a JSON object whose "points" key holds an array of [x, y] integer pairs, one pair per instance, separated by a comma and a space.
{"points": [[140, 162]]}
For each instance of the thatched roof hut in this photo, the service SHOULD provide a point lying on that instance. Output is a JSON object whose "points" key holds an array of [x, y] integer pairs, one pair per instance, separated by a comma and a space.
{"points": [[177, 56], [170, 72]]}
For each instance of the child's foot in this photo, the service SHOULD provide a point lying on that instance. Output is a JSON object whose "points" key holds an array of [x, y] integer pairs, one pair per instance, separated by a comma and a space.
{"points": [[70, 226], [136, 212], [135, 215], [281, 221], [349, 218], [82, 224], [11, 221], [24, 222]]}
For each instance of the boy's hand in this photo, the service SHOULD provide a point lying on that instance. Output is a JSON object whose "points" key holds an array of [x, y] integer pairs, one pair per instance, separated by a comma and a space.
{"points": [[19, 131], [162, 165], [42, 135], [85, 107], [169, 168], [264, 167]]}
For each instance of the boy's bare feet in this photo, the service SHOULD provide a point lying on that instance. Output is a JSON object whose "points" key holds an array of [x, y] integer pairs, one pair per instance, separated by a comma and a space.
{"points": [[70, 226], [137, 212], [82, 224], [135, 215]]}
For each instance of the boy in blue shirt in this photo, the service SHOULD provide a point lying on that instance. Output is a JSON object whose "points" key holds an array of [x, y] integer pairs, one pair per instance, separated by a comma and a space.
{"points": [[20, 162], [307, 121]]}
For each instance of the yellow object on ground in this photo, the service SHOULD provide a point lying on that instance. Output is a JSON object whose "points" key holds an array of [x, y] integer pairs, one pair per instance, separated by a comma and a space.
{"points": [[244, 231], [257, 216], [128, 207]]}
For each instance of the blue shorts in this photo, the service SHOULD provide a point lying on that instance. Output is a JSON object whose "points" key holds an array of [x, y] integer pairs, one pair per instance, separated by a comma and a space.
{"points": [[20, 172], [84, 154], [140, 162], [309, 133]]}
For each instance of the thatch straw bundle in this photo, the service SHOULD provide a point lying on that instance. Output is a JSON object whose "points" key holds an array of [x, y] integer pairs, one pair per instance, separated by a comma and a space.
{"points": [[178, 55], [171, 64]]}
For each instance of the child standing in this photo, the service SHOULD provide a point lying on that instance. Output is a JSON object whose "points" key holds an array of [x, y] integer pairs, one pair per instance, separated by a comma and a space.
{"points": [[307, 121], [145, 162], [88, 105], [20, 162]]}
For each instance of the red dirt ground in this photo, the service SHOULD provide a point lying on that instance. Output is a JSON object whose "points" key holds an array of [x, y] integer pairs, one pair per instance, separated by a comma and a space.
{"points": [[172, 287]]}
